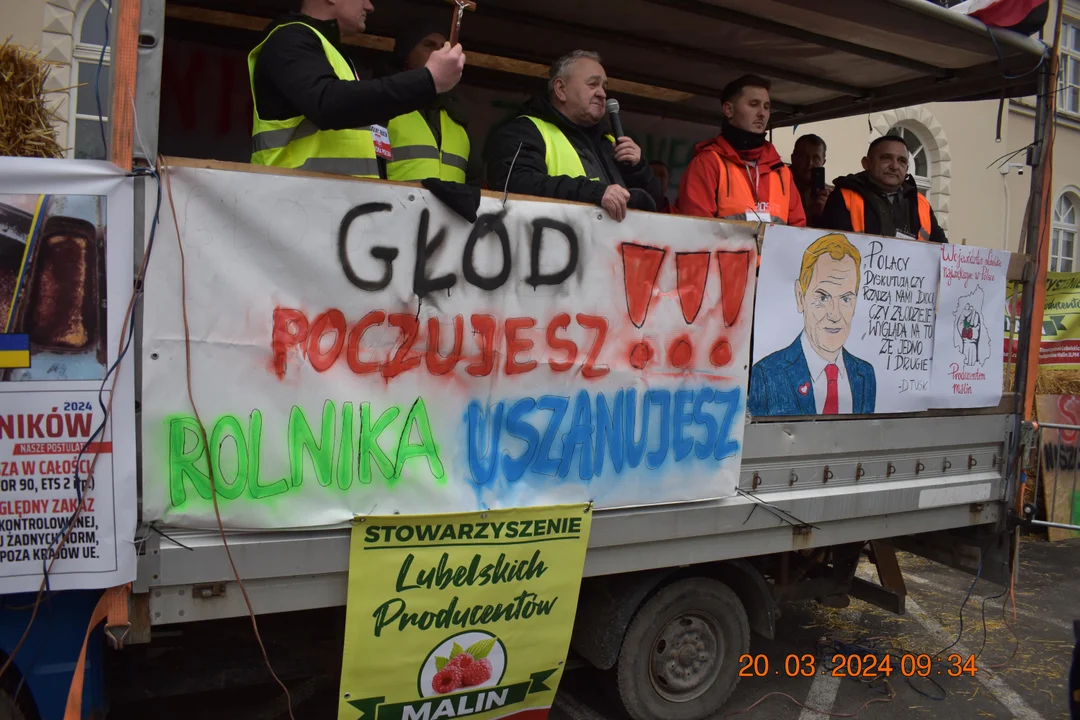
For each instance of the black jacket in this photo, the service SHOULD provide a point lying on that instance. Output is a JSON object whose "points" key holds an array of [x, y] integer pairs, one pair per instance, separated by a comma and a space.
{"points": [[294, 78], [530, 170], [882, 216]]}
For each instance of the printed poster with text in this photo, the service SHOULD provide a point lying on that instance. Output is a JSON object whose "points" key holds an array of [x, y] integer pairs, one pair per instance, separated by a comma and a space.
{"points": [[1060, 463], [362, 349], [66, 247], [968, 365], [464, 615], [844, 324], [1059, 347]]}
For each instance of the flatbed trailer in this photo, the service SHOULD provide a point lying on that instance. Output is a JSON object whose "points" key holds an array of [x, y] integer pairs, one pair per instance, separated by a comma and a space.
{"points": [[814, 495]]}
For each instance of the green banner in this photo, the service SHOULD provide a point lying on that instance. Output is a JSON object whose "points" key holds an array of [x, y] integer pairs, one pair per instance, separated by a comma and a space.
{"points": [[465, 615], [1060, 343]]}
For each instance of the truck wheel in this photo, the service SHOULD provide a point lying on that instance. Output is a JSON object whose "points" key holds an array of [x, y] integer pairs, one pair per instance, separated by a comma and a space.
{"points": [[680, 656]]}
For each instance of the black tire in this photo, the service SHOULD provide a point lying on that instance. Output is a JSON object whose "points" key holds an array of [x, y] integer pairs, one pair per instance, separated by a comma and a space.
{"points": [[680, 656]]}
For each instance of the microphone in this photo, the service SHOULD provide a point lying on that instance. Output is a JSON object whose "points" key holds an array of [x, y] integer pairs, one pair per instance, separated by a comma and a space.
{"points": [[612, 106]]}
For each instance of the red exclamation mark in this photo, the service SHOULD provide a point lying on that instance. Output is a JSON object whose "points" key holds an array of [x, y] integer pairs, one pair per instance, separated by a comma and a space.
{"points": [[641, 267], [692, 269], [734, 270]]}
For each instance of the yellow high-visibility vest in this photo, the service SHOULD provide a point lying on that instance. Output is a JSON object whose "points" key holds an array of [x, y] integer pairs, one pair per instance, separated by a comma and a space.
{"points": [[298, 143], [559, 155], [416, 154]]}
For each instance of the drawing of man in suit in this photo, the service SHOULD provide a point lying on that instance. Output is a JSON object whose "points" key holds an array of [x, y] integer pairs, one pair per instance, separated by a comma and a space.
{"points": [[815, 375]]}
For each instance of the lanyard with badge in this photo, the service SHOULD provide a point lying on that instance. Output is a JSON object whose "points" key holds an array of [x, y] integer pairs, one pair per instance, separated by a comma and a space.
{"points": [[761, 213], [380, 136]]}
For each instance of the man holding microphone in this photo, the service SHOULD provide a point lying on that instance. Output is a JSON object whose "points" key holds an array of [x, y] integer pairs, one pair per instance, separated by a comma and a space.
{"points": [[313, 112], [558, 147]]}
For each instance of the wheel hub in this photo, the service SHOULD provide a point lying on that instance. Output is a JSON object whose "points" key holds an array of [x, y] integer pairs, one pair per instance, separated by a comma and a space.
{"points": [[686, 657]]}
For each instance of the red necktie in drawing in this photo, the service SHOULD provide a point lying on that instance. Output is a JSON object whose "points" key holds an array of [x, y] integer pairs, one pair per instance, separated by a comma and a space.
{"points": [[832, 395]]}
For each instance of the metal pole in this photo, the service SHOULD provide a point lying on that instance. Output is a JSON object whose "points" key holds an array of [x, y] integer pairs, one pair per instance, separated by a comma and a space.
{"points": [[1038, 238]]}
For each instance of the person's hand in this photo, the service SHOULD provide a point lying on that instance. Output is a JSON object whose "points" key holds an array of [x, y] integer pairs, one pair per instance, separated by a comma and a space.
{"points": [[627, 151], [445, 66], [818, 198], [614, 201]]}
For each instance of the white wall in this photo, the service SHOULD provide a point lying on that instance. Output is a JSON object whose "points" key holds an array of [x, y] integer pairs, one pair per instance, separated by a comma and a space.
{"points": [[22, 20]]}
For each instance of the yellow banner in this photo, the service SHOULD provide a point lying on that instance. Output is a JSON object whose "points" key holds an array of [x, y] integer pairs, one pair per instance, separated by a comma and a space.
{"points": [[464, 615], [1060, 343]]}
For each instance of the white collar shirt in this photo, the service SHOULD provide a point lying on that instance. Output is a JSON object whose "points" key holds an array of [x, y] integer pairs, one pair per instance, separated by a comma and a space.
{"points": [[820, 381]]}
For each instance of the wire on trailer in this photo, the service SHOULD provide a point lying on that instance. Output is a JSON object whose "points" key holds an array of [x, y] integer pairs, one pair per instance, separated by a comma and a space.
{"points": [[128, 325], [97, 81], [126, 335], [202, 432]]}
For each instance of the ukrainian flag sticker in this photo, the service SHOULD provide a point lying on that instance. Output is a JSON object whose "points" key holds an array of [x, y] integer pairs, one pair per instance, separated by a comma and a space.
{"points": [[14, 351]]}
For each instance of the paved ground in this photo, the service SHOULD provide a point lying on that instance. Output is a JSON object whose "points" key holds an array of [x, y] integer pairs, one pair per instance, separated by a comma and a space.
{"points": [[1030, 684]]}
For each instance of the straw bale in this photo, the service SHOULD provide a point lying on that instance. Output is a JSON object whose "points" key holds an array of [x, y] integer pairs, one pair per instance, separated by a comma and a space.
{"points": [[26, 123]]}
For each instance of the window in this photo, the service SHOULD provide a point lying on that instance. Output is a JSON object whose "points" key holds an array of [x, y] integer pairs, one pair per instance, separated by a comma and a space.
{"points": [[1063, 239], [1069, 72], [84, 130], [918, 158]]}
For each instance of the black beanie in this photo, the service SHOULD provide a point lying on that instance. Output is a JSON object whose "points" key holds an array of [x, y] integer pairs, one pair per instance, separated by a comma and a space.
{"points": [[411, 35]]}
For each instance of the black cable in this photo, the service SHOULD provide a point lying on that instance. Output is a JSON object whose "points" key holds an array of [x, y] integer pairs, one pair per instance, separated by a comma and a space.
{"points": [[978, 573], [1001, 59], [982, 646], [911, 685], [138, 291], [1008, 156], [775, 511], [97, 82], [170, 539]]}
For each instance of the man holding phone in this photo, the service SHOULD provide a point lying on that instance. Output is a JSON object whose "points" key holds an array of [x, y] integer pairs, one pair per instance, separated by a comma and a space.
{"points": [[808, 169]]}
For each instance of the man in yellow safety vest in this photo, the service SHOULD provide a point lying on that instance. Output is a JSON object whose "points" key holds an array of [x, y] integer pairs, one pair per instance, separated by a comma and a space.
{"points": [[430, 142], [560, 146], [312, 110]]}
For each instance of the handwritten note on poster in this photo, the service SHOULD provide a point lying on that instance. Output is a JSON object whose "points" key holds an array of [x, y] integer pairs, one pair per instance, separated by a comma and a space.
{"points": [[843, 324], [968, 364]]}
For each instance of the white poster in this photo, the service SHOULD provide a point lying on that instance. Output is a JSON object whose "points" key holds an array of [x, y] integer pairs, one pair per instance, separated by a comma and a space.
{"points": [[358, 348], [66, 248], [844, 324], [968, 363]]}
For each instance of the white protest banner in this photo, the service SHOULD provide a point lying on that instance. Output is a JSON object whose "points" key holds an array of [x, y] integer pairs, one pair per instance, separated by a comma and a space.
{"points": [[968, 365], [358, 348], [844, 324], [66, 248]]}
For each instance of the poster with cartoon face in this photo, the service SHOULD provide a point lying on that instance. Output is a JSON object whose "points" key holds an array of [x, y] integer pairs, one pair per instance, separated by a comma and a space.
{"points": [[843, 324], [968, 364]]}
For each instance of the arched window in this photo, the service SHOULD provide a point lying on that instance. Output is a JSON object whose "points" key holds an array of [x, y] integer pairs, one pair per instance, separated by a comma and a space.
{"points": [[1063, 240], [84, 131], [918, 157]]}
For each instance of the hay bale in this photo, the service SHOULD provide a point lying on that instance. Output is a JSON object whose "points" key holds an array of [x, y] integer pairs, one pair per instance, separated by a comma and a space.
{"points": [[1047, 382], [26, 128]]}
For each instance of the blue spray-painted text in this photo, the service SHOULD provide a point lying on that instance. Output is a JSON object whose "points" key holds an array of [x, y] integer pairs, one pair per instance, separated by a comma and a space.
{"points": [[553, 436]]}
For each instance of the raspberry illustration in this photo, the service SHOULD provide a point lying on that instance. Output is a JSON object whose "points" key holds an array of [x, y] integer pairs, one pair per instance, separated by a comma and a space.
{"points": [[461, 660], [477, 673], [446, 680]]}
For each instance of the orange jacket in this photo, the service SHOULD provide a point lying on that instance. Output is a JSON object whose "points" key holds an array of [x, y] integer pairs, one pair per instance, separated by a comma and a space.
{"points": [[857, 207], [718, 184]]}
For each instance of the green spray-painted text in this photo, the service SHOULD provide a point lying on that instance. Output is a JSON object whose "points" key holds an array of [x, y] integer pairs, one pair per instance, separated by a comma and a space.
{"points": [[336, 454]]}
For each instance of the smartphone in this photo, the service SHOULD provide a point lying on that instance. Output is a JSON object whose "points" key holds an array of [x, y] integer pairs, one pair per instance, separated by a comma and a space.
{"points": [[817, 178]]}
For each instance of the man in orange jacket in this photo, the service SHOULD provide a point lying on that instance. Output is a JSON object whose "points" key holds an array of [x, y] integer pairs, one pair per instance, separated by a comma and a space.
{"points": [[738, 174]]}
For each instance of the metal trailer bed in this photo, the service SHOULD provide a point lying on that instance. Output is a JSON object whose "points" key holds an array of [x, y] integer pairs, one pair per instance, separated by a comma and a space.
{"points": [[804, 483]]}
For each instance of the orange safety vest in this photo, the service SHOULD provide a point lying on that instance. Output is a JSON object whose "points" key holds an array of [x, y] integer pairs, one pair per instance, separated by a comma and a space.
{"points": [[857, 208], [735, 197]]}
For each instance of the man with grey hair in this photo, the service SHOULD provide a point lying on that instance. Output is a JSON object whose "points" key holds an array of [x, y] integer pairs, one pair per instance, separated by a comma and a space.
{"points": [[560, 146]]}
